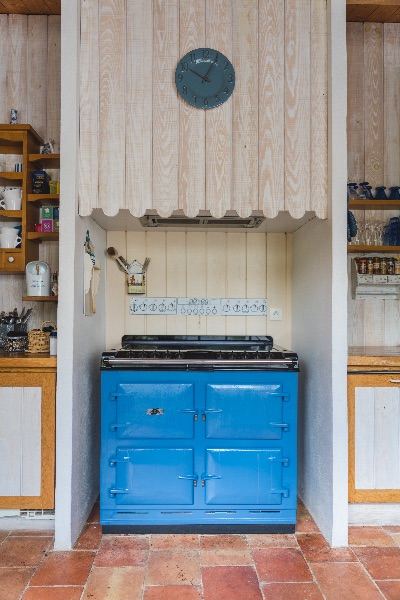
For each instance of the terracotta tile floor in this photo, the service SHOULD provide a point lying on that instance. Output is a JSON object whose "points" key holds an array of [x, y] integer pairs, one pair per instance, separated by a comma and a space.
{"points": [[301, 566]]}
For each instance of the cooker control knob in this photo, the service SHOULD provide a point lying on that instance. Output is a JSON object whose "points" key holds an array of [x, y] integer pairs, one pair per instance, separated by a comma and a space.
{"points": [[11, 259]]}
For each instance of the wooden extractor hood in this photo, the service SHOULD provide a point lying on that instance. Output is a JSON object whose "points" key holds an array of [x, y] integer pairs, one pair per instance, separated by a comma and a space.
{"points": [[373, 11]]}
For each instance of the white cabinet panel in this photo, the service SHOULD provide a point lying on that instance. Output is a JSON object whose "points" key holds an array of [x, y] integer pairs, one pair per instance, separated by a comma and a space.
{"points": [[377, 440], [20, 441]]}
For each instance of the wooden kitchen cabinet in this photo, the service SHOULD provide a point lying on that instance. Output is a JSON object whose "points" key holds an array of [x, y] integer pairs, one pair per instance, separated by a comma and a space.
{"points": [[24, 141], [27, 431], [374, 423]]}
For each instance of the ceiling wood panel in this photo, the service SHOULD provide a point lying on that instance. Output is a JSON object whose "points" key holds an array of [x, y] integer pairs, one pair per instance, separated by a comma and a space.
{"points": [[30, 7], [371, 11]]}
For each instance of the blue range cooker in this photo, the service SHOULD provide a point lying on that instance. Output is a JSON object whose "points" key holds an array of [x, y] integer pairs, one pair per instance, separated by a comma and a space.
{"points": [[198, 434]]}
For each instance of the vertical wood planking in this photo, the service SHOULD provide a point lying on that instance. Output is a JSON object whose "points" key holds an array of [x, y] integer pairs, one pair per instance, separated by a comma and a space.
{"points": [[176, 277], [115, 292], [31, 466], [373, 103], [216, 277], [139, 83], [271, 101], [196, 278], [54, 80], [201, 264], [165, 107], [4, 42], [391, 58], [319, 108], [10, 441], [392, 320], [256, 269], [112, 105], [218, 156], [364, 438], [236, 278], [276, 283], [89, 108], [386, 446], [245, 107], [17, 76], [355, 102], [297, 107], [157, 278], [135, 250], [375, 323], [191, 120], [37, 73]]}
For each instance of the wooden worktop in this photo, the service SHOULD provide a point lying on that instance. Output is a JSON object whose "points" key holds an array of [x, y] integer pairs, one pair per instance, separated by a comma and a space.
{"points": [[23, 361], [374, 356]]}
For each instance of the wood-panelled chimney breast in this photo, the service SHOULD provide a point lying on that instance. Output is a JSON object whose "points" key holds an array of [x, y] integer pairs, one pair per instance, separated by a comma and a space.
{"points": [[143, 147]]}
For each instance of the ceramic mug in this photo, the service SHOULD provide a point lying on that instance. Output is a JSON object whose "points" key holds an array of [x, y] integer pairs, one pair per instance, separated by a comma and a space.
{"points": [[9, 241], [12, 193], [8, 230], [11, 203]]}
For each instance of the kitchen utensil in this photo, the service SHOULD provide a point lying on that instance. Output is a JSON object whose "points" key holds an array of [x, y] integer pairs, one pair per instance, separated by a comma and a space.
{"points": [[26, 317], [146, 264], [113, 253]]}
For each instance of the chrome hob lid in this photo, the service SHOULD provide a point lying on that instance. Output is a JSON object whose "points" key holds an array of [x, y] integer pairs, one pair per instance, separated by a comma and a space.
{"points": [[199, 352]]}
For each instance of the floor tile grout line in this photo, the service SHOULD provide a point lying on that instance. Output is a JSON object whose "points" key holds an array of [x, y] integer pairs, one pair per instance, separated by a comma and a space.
{"points": [[45, 553], [310, 569]]}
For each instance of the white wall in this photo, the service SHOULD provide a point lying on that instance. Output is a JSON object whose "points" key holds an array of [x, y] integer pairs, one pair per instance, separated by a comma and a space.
{"points": [[319, 331], [81, 339]]}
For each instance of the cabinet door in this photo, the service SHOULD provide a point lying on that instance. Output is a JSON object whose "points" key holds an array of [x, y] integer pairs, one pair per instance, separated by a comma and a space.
{"points": [[248, 412], [153, 476], [154, 410], [374, 441], [27, 440], [244, 476]]}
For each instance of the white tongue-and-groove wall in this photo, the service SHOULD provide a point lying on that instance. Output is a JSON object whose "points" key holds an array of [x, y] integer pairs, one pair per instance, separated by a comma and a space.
{"points": [[202, 264]]}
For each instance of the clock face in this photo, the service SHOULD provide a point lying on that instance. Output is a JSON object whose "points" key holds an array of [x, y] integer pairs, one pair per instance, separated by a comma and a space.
{"points": [[205, 78]]}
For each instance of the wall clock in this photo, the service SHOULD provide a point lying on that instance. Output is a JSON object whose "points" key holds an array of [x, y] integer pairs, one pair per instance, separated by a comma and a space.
{"points": [[205, 78]]}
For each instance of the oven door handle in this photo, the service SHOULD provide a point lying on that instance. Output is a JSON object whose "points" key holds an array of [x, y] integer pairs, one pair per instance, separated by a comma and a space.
{"points": [[193, 477], [204, 477], [285, 426]]}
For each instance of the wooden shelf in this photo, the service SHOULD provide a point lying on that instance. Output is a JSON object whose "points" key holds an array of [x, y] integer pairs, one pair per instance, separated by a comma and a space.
{"points": [[43, 199], [373, 11], [15, 176], [42, 236], [374, 204], [353, 249], [47, 160], [10, 214], [40, 298]]}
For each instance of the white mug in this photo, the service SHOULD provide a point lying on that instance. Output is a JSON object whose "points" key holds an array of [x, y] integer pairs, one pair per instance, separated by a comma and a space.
{"points": [[9, 241], [8, 230], [11, 203], [12, 193]]}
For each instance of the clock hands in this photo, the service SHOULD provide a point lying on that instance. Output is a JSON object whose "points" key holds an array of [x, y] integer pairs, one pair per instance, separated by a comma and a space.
{"points": [[203, 77], [209, 68]]}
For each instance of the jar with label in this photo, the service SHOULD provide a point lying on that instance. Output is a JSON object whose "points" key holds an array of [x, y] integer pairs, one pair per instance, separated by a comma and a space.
{"points": [[377, 265], [370, 265], [53, 343], [390, 266], [383, 265], [397, 266], [362, 266], [54, 284]]}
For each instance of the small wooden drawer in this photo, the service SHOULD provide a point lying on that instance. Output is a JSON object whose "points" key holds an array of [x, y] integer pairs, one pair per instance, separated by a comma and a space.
{"points": [[11, 260]]}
